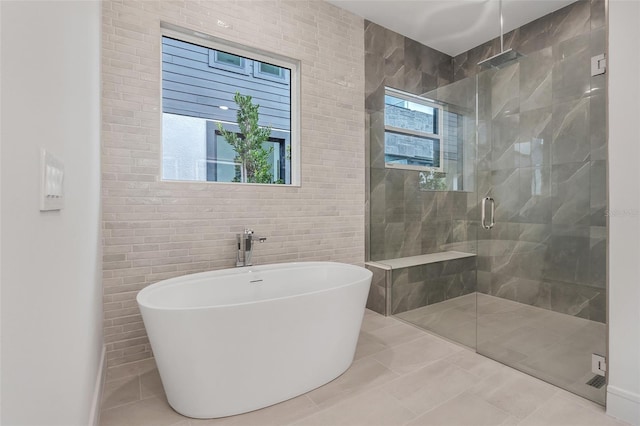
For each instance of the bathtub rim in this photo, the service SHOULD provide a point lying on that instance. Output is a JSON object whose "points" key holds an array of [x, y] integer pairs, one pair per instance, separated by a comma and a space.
{"points": [[182, 279]]}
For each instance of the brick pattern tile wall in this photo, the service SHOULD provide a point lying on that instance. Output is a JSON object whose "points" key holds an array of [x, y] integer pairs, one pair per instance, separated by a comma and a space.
{"points": [[155, 230]]}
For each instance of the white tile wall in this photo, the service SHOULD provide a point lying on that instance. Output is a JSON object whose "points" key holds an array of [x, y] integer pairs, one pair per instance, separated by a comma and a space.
{"points": [[155, 230]]}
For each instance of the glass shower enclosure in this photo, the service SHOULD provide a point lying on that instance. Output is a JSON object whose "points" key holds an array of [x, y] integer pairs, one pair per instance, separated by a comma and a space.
{"points": [[533, 225]]}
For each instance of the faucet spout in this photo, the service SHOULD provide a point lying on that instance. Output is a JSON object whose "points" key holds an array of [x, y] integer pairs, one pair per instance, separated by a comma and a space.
{"points": [[245, 247]]}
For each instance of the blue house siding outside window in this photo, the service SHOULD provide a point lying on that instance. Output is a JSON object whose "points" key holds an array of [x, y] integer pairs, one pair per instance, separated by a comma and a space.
{"points": [[198, 86]]}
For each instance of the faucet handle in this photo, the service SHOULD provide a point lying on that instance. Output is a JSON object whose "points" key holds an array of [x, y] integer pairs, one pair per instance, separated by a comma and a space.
{"points": [[248, 231]]}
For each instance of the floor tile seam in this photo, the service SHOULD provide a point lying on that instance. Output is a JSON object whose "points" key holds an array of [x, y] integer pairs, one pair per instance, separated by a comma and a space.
{"points": [[353, 396], [477, 376], [348, 395], [117, 407], [137, 373], [465, 391], [541, 406], [306, 395], [508, 414], [400, 344], [394, 345], [515, 416], [392, 320], [411, 373], [587, 404], [371, 354], [315, 407], [429, 410], [372, 334], [399, 373], [435, 335], [128, 402]]}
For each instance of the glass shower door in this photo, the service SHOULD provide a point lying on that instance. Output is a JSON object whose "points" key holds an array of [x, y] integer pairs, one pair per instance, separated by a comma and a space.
{"points": [[541, 267], [447, 196]]}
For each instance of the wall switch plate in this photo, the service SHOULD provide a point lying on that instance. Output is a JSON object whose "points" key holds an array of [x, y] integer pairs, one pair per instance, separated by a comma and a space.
{"points": [[51, 182]]}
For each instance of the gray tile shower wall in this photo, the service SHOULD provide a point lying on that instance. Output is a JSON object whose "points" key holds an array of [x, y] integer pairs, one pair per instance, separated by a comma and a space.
{"points": [[404, 221], [542, 156], [564, 24]]}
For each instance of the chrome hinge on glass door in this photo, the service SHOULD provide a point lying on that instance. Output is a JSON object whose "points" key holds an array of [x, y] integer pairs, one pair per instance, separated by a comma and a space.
{"points": [[484, 212]]}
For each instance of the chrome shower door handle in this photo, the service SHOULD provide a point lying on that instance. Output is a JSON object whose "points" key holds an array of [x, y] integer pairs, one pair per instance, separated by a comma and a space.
{"points": [[484, 213]]}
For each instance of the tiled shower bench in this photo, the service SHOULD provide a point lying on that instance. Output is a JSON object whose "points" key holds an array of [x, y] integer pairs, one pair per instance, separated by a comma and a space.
{"points": [[407, 283]]}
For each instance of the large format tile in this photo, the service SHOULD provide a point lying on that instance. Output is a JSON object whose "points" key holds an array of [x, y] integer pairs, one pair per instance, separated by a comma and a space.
{"points": [[147, 412], [368, 345], [411, 356], [430, 386], [121, 391], [478, 365], [563, 411], [130, 369], [464, 410], [363, 375], [571, 139], [374, 321], [515, 393], [440, 382], [396, 334], [571, 69], [151, 385], [535, 80], [284, 413], [375, 407]]}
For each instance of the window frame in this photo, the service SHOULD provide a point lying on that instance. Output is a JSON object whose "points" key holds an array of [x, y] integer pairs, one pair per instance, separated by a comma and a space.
{"points": [[439, 136], [250, 54]]}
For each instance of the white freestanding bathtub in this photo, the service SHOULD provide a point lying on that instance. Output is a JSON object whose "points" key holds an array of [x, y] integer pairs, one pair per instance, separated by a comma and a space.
{"points": [[235, 340]]}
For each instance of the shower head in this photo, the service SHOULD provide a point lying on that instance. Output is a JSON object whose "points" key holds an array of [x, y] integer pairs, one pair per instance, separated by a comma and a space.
{"points": [[500, 60], [503, 58]]}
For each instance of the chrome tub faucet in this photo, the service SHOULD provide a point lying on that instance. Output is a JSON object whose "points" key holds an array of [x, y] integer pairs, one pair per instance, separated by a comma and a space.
{"points": [[245, 243]]}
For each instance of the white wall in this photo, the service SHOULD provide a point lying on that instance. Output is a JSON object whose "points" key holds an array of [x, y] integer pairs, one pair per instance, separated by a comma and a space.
{"points": [[623, 392], [51, 288], [0, 220]]}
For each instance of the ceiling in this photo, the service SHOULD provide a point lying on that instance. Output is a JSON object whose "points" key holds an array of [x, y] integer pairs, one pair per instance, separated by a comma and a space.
{"points": [[450, 26]]}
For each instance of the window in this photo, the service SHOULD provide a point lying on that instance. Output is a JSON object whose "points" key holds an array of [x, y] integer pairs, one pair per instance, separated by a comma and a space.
{"points": [[413, 132], [270, 72], [201, 79], [227, 61]]}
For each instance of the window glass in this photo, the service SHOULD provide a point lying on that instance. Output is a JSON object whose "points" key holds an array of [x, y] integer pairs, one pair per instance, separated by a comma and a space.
{"points": [[229, 59], [270, 69], [412, 132], [200, 104]]}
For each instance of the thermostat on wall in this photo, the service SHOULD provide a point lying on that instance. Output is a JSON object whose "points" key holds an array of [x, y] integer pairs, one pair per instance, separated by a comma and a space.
{"points": [[51, 182]]}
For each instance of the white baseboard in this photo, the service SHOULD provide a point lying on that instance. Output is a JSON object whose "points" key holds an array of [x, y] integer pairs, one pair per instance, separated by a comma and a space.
{"points": [[623, 405], [94, 414]]}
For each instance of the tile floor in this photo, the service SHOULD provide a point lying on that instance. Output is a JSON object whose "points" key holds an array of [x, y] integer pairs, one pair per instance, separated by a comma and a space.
{"points": [[551, 346], [401, 376]]}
